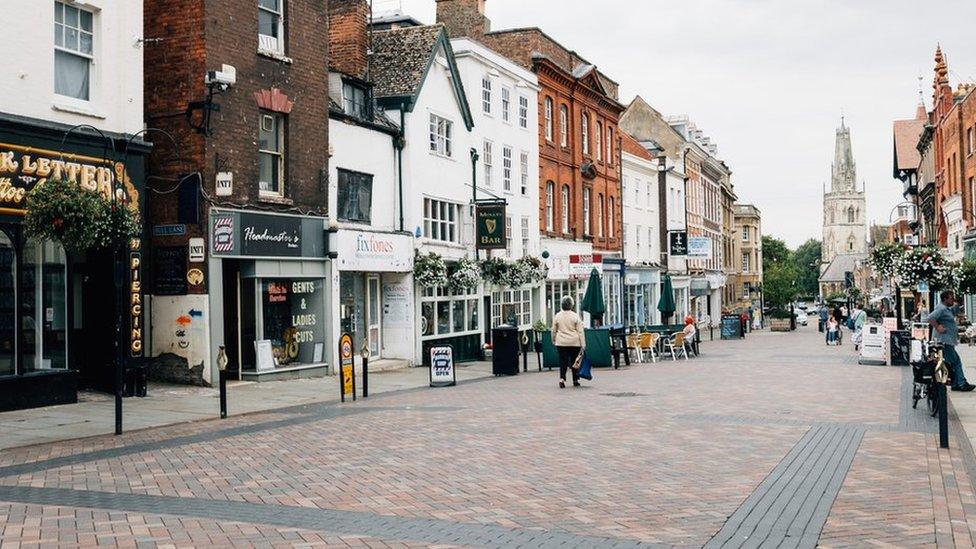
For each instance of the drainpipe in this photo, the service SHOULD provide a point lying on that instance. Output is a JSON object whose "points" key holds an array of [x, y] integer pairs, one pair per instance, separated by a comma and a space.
{"points": [[398, 143]]}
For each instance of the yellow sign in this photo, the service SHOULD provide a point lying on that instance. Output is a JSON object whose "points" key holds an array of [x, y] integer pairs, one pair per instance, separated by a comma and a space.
{"points": [[135, 299], [194, 277], [346, 366], [23, 168], [347, 387]]}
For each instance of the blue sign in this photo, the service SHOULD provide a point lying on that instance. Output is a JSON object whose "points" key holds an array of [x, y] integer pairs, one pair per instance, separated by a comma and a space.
{"points": [[923, 286], [169, 230]]}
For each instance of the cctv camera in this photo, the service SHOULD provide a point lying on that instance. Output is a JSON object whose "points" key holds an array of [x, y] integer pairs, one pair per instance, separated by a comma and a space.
{"points": [[225, 77]]}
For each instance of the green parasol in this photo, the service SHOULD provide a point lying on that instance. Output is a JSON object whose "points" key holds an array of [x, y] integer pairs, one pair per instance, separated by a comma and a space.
{"points": [[666, 303], [593, 298]]}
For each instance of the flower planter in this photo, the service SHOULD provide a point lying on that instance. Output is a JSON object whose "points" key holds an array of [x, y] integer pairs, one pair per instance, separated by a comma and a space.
{"points": [[779, 324]]}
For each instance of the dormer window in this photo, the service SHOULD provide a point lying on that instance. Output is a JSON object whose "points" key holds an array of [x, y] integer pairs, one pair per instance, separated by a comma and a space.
{"points": [[355, 100]]}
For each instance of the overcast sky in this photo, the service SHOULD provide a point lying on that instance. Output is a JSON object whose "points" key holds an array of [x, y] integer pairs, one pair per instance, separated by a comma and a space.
{"points": [[767, 80]]}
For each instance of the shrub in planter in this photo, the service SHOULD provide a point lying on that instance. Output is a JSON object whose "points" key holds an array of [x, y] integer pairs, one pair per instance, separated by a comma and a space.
{"points": [[78, 219]]}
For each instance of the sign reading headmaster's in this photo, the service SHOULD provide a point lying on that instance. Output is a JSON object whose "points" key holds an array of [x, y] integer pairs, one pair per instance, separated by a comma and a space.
{"points": [[490, 226], [247, 234]]}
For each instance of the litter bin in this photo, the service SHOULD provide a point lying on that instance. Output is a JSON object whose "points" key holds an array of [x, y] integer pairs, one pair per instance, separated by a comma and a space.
{"points": [[505, 351]]}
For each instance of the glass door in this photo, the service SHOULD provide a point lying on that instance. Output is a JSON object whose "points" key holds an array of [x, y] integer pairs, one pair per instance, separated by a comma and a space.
{"points": [[373, 312]]}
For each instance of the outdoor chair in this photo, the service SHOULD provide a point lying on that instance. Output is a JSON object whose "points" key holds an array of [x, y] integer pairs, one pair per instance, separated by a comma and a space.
{"points": [[634, 345], [649, 343], [676, 345]]}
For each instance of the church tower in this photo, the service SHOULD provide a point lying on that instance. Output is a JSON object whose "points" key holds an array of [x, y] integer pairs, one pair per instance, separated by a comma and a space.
{"points": [[844, 221]]}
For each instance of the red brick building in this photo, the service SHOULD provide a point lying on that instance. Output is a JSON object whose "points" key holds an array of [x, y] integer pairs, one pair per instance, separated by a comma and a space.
{"points": [[578, 139], [241, 86]]}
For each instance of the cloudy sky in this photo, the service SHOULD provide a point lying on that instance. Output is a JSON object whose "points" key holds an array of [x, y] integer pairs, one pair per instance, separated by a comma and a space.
{"points": [[767, 80]]}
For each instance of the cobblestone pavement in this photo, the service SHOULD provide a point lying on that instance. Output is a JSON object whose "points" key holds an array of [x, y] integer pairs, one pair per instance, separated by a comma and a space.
{"points": [[772, 441]]}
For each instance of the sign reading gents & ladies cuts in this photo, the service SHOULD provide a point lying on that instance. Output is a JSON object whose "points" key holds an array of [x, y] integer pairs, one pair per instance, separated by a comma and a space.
{"points": [[490, 226]]}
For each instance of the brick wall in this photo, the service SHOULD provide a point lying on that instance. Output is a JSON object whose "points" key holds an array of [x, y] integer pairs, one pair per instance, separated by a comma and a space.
{"points": [[463, 17], [347, 36]]}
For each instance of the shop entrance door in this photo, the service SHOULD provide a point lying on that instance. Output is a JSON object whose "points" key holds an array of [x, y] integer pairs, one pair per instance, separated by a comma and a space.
{"points": [[374, 315]]}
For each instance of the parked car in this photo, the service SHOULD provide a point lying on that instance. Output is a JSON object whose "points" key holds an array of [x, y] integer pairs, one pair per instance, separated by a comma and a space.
{"points": [[802, 305], [801, 317]]}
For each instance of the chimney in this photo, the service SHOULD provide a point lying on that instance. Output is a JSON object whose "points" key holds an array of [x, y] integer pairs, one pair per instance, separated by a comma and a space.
{"points": [[463, 18], [348, 38]]}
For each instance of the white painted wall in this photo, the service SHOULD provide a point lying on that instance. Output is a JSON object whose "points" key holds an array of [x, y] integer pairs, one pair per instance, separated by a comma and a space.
{"points": [[27, 78], [175, 330], [642, 237], [361, 149], [677, 217]]}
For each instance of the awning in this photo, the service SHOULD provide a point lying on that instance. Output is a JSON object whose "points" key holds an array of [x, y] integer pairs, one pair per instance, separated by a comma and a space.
{"points": [[700, 286]]}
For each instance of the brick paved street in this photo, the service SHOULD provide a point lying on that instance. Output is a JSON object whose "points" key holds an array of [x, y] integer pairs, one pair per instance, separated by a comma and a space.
{"points": [[772, 441]]}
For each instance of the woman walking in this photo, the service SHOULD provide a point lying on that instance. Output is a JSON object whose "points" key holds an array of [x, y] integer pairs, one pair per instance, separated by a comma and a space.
{"points": [[567, 336]]}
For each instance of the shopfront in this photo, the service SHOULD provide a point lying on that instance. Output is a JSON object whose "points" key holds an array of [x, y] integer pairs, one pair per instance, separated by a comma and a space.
{"points": [[375, 292], [272, 295], [567, 277], [613, 290], [641, 296], [57, 310]]}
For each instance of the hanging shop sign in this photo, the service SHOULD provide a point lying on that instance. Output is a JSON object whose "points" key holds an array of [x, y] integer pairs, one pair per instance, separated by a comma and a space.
{"points": [[347, 368], [135, 298], [678, 243], [490, 226], [700, 247], [442, 372], [22, 168], [250, 234], [169, 269]]}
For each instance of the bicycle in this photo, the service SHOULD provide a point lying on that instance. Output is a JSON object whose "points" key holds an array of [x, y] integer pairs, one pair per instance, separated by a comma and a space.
{"points": [[926, 374]]}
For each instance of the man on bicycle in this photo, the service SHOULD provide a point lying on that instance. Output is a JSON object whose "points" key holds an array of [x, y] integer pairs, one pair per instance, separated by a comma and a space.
{"points": [[943, 320]]}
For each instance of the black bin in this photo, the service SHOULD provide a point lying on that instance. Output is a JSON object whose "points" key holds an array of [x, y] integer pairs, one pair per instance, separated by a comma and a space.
{"points": [[505, 351]]}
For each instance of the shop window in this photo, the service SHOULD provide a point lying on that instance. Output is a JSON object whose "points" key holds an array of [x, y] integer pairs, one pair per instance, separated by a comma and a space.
{"points": [[291, 319], [74, 38], [8, 315], [444, 312], [557, 290], [512, 307], [44, 295], [271, 26], [355, 197], [440, 135], [441, 220], [271, 154]]}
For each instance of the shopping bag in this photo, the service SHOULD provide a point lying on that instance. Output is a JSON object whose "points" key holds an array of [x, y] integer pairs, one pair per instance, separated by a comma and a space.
{"points": [[585, 371]]}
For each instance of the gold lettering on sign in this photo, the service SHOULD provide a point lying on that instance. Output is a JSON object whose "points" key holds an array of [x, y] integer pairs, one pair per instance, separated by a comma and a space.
{"points": [[7, 163], [135, 304]]}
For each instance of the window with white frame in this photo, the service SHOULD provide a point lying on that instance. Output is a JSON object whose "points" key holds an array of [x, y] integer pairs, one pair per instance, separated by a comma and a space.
{"points": [[637, 239], [440, 135], [550, 211], [507, 168], [506, 105], [971, 140], [524, 172], [74, 50], [508, 235], [271, 154], [626, 235], [442, 220], [650, 238], [745, 262], [524, 113], [486, 160], [585, 131], [511, 306], [564, 208], [650, 194], [563, 126], [637, 193], [525, 235], [354, 102], [599, 216], [444, 311], [610, 158], [745, 234], [610, 212], [486, 94], [745, 290], [587, 197], [271, 26], [548, 119], [599, 140]]}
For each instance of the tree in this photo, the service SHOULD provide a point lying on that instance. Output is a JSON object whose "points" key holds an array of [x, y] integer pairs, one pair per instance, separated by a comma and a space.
{"points": [[774, 251], [806, 260], [779, 283]]}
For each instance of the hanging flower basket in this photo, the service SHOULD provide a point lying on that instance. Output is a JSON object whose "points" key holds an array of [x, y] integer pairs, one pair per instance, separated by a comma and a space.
{"points": [[927, 264], [966, 277], [78, 219], [884, 258], [494, 271], [429, 270], [538, 271], [464, 275]]}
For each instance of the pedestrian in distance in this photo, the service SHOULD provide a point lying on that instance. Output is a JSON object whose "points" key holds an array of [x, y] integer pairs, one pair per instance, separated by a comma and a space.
{"points": [[822, 314], [838, 317], [691, 332], [568, 337], [833, 331], [943, 320]]}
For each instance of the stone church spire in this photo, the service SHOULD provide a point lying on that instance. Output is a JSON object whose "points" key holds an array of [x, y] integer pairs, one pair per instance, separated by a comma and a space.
{"points": [[844, 176]]}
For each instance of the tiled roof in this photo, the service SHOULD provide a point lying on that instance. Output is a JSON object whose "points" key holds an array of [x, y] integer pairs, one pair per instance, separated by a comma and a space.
{"points": [[841, 264], [632, 146], [400, 59], [907, 133]]}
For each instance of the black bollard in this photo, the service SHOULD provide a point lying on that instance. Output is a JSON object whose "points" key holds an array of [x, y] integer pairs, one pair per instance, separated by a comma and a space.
{"points": [[223, 394], [365, 374], [943, 416]]}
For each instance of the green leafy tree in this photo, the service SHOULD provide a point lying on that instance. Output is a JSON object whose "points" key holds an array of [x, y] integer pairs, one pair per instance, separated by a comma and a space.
{"points": [[779, 283], [806, 260], [774, 251]]}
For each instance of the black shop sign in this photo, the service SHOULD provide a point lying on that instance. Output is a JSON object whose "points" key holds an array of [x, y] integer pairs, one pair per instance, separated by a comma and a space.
{"points": [[490, 226], [238, 233], [678, 243], [169, 268]]}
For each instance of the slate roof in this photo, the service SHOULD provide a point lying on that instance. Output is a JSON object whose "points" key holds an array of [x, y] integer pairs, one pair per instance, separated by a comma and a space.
{"points": [[907, 133], [844, 263], [400, 59]]}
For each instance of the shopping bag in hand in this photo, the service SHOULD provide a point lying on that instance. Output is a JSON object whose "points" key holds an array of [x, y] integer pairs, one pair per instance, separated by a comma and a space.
{"points": [[585, 372]]}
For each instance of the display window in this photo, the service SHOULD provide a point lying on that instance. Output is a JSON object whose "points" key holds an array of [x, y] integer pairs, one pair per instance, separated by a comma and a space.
{"points": [[444, 312], [292, 320]]}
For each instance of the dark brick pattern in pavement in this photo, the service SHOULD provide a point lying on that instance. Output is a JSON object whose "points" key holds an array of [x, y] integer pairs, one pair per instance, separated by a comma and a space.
{"points": [[696, 448]]}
